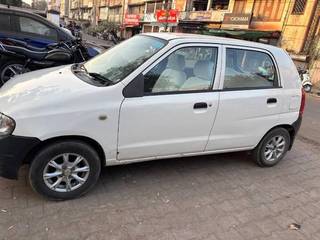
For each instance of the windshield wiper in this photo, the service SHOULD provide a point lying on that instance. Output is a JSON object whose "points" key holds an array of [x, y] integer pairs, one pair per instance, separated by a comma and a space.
{"points": [[95, 76], [102, 79]]}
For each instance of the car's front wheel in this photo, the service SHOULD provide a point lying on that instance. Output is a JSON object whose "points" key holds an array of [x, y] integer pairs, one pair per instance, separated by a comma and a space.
{"points": [[65, 170], [272, 148]]}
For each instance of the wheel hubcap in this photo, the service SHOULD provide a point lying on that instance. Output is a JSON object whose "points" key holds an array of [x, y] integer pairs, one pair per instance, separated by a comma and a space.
{"points": [[66, 172], [274, 148]]}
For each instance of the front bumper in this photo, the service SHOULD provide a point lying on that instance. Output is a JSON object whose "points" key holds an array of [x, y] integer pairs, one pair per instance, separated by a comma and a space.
{"points": [[13, 150]]}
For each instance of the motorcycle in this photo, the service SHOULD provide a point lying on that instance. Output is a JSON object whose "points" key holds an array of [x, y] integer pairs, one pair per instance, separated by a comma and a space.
{"points": [[305, 79], [18, 57]]}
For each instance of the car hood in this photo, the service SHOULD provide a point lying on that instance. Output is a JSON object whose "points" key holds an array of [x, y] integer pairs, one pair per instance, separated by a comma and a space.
{"points": [[51, 87]]}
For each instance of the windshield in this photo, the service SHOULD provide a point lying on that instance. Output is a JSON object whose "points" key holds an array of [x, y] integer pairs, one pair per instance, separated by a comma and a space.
{"points": [[118, 62]]}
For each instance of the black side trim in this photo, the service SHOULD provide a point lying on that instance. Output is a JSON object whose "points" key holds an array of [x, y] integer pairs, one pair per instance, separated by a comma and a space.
{"points": [[135, 88], [13, 150], [296, 126]]}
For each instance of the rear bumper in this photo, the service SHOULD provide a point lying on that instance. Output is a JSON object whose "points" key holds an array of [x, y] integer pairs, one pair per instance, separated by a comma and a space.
{"points": [[13, 150], [296, 126]]}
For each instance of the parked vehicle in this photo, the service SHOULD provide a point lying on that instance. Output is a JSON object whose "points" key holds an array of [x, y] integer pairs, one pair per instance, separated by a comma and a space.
{"points": [[305, 79], [21, 57], [34, 30], [150, 97]]}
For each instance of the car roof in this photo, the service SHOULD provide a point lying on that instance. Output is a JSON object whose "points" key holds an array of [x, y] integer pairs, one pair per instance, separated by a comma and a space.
{"points": [[188, 37]]}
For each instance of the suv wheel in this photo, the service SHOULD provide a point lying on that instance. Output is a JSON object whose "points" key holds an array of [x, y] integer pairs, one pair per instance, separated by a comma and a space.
{"points": [[65, 170], [272, 148]]}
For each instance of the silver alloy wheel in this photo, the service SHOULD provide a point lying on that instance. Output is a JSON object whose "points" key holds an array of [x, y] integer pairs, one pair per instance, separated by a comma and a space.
{"points": [[274, 148], [66, 172], [10, 71]]}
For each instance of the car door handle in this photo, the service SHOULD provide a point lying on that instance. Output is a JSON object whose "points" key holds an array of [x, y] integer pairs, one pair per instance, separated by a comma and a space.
{"points": [[271, 100], [200, 105]]}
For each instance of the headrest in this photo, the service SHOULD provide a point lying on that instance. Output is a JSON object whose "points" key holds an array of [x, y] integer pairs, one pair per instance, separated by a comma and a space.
{"points": [[203, 69], [176, 62]]}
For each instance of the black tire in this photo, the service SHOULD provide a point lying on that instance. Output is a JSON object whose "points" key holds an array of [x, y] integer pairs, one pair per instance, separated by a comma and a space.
{"points": [[5, 65], [39, 164], [259, 152]]}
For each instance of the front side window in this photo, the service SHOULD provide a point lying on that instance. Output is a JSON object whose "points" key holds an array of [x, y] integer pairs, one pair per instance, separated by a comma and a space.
{"points": [[118, 62], [249, 69], [28, 25], [187, 69]]}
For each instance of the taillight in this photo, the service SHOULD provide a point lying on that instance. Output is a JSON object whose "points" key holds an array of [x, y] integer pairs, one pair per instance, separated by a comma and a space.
{"points": [[303, 102]]}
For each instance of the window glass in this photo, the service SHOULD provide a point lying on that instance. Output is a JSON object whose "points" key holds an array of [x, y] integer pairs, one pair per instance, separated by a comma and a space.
{"points": [[187, 69], [29, 25], [249, 69], [299, 6], [150, 7], [119, 61], [5, 22]]}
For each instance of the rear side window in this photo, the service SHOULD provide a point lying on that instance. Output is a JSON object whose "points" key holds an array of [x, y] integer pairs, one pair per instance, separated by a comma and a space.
{"points": [[5, 22], [249, 69], [28, 25]]}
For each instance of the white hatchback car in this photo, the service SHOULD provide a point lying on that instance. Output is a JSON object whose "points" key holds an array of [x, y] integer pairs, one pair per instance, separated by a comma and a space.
{"points": [[153, 96]]}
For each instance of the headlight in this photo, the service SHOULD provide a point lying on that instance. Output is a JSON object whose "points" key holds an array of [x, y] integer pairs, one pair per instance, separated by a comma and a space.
{"points": [[7, 125]]}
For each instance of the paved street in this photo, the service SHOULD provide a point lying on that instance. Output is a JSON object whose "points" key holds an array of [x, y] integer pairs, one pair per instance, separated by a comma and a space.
{"points": [[218, 197]]}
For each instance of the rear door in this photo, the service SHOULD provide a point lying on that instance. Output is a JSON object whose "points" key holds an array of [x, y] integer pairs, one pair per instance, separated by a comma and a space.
{"points": [[250, 99], [178, 109]]}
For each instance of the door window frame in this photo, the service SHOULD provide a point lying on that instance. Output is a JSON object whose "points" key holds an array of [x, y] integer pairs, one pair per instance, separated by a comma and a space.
{"points": [[217, 73], [223, 68]]}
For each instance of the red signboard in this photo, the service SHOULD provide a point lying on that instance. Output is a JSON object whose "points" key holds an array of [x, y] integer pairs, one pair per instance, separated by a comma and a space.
{"points": [[132, 19], [167, 16]]}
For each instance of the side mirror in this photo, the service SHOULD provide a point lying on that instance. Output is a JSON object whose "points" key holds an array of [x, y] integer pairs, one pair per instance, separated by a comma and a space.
{"points": [[135, 88]]}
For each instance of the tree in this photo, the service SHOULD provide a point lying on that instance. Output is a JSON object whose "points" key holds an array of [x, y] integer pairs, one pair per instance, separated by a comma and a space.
{"points": [[16, 3]]}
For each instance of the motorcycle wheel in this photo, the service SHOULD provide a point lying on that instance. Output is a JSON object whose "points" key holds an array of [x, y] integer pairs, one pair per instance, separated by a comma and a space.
{"points": [[10, 69]]}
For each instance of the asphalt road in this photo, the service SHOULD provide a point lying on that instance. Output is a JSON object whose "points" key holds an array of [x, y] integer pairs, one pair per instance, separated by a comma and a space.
{"points": [[310, 128]]}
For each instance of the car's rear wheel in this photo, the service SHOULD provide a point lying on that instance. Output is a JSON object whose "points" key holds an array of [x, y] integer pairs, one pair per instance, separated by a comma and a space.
{"points": [[65, 170], [272, 148]]}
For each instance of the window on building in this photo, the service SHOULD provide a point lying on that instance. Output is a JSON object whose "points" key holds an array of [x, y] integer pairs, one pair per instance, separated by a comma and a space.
{"points": [[199, 5], [147, 28], [249, 69], [268, 10], [159, 5], [136, 9], [220, 4], [299, 6], [239, 6], [187, 69], [150, 7], [155, 29]]}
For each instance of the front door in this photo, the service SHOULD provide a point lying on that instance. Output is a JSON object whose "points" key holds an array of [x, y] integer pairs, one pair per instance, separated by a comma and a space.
{"points": [[178, 109], [250, 100]]}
